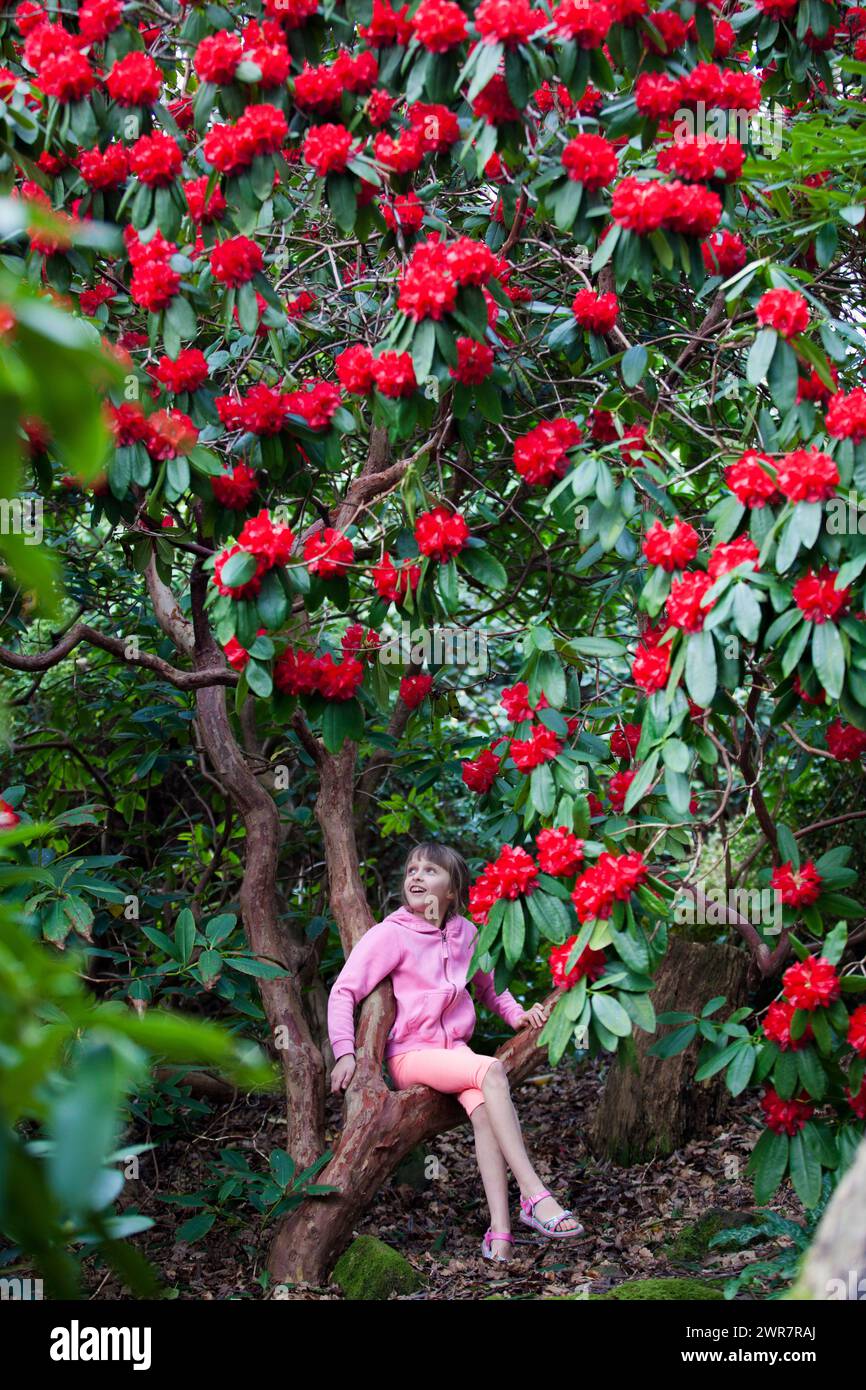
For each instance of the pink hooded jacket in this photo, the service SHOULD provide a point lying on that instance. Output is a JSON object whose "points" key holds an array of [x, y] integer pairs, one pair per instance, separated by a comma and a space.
{"points": [[427, 965]]}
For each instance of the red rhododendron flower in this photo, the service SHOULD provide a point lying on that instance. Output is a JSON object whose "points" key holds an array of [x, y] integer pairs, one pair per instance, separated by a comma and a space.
{"points": [[440, 533], [702, 158], [818, 598], [811, 983], [328, 149], [387, 26], [428, 287], [266, 539], [437, 128], [624, 740], [652, 667], [235, 489], [135, 80], [354, 369], [617, 787], [391, 583], [328, 553], [104, 168], [559, 851], [187, 372], [515, 702], [217, 57], [750, 482], [785, 1116], [8, 817], [405, 211], [356, 642], [511, 22], [542, 454], [251, 587], [807, 475], [845, 742], [439, 25], [683, 608], [587, 22], [415, 689], [339, 680], [235, 261], [724, 253], [67, 76], [541, 746], [590, 964], [480, 773], [493, 103], [596, 312], [315, 403], [156, 159], [727, 556], [474, 362], [857, 1030], [640, 205], [99, 18], [394, 374], [296, 672], [777, 1027], [812, 388], [657, 95], [785, 310], [514, 871], [199, 210], [846, 415], [798, 887], [590, 160], [670, 547]]}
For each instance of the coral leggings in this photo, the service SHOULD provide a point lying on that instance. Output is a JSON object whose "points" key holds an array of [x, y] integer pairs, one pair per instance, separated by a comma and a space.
{"points": [[445, 1069]]}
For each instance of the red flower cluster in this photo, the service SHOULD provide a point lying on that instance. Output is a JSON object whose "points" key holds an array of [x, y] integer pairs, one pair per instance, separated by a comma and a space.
{"points": [[392, 583], [597, 312], [613, 878], [624, 740], [542, 454], [298, 672], [512, 874], [541, 746], [236, 488], [785, 1116], [515, 702], [617, 788], [394, 374], [727, 556], [590, 160], [590, 964], [439, 25], [187, 372], [777, 1027], [441, 534], [651, 667], [429, 285], [328, 553], [510, 22], [818, 598], [807, 475], [67, 76], [415, 689], [8, 817], [798, 887], [328, 149], [156, 159], [474, 362], [135, 80], [587, 22], [846, 415], [845, 742], [261, 130], [750, 482], [785, 310], [154, 283], [559, 851], [702, 158], [236, 260], [724, 254], [811, 984], [670, 547], [106, 168], [856, 1030], [683, 608], [480, 773], [643, 206]]}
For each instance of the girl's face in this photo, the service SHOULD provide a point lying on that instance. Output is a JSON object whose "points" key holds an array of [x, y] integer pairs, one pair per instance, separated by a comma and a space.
{"points": [[427, 887]]}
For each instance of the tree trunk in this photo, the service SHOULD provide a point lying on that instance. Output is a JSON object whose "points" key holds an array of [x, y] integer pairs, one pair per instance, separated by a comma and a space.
{"points": [[835, 1265], [380, 1127], [659, 1107]]}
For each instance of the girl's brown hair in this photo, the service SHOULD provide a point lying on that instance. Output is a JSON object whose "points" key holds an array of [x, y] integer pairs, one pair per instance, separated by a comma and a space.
{"points": [[446, 858]]}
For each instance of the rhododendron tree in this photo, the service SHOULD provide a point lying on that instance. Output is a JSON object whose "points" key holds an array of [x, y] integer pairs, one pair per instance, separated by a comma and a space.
{"points": [[537, 322]]}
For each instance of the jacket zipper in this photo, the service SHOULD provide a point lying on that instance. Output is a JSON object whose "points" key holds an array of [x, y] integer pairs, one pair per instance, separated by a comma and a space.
{"points": [[451, 982]]}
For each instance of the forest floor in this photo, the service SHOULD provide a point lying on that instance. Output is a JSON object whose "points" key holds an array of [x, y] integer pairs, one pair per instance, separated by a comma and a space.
{"points": [[434, 1212]]}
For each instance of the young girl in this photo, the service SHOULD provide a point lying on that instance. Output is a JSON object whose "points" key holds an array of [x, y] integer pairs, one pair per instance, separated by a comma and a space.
{"points": [[426, 946]]}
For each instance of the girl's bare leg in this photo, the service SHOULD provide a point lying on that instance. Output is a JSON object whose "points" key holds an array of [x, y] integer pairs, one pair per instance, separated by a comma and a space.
{"points": [[494, 1176], [503, 1121]]}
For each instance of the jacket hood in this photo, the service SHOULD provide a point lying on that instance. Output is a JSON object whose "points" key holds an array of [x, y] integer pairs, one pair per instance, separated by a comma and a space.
{"points": [[404, 917]]}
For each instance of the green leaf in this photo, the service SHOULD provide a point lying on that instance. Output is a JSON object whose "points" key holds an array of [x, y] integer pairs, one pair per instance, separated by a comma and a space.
{"points": [[761, 355], [768, 1162], [634, 364], [513, 931], [543, 789], [805, 1171], [642, 782], [184, 935], [828, 656], [701, 671], [611, 1015], [342, 719]]}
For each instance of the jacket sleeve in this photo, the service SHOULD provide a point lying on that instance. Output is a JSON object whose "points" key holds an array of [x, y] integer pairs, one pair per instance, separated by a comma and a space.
{"points": [[376, 954], [503, 1004]]}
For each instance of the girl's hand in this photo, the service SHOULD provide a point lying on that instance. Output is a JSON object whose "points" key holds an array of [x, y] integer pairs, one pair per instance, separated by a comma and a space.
{"points": [[536, 1017], [344, 1070]]}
